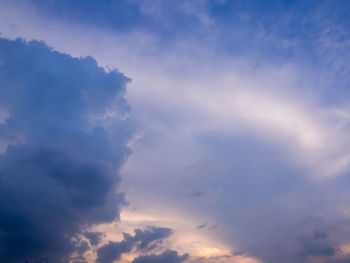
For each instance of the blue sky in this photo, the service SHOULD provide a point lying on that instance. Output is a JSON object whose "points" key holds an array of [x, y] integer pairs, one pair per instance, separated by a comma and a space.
{"points": [[174, 131]]}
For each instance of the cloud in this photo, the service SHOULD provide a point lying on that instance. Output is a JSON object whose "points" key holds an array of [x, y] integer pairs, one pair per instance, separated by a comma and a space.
{"points": [[94, 237], [256, 192], [150, 237], [201, 226], [114, 250], [318, 251], [67, 133], [168, 256], [317, 245], [143, 240]]}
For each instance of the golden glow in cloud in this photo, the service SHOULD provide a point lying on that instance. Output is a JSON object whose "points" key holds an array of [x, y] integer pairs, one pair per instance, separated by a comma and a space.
{"points": [[186, 238]]}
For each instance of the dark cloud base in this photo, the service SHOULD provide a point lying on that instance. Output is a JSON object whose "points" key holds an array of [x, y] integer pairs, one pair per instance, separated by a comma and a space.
{"points": [[65, 147], [143, 241], [168, 256]]}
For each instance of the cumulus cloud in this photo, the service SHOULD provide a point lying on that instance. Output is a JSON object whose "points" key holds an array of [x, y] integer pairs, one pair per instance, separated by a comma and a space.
{"points": [[143, 240], [66, 137]]}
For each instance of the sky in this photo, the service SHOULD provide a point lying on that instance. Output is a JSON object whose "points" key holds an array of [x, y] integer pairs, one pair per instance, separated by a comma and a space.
{"points": [[159, 131]]}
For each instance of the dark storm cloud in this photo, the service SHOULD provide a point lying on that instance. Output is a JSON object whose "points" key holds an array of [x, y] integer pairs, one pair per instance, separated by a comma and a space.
{"points": [[67, 140], [143, 240], [168, 256], [318, 251]]}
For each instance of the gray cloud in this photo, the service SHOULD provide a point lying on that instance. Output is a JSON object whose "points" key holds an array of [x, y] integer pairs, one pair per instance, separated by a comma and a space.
{"points": [[143, 240], [114, 250], [201, 226], [316, 245], [94, 237], [168, 256], [67, 139]]}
